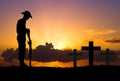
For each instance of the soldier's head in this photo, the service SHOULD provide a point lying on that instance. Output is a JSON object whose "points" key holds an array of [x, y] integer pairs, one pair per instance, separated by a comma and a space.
{"points": [[27, 14]]}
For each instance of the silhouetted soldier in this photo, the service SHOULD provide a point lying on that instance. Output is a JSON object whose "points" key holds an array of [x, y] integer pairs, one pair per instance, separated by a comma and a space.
{"points": [[21, 36]]}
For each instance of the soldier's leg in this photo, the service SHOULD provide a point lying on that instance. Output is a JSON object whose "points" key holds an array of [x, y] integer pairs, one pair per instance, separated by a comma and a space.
{"points": [[22, 49]]}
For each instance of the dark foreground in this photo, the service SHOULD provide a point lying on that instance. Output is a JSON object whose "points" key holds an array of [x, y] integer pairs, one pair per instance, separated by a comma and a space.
{"points": [[95, 73]]}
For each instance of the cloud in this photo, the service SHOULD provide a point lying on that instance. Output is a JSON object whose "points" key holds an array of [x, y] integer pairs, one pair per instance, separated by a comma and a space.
{"points": [[4, 63], [100, 32], [101, 57], [42, 53], [45, 53], [113, 40], [10, 54]]}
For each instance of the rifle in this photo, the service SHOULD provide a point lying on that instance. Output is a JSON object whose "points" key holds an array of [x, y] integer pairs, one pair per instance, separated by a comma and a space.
{"points": [[30, 47], [30, 51]]}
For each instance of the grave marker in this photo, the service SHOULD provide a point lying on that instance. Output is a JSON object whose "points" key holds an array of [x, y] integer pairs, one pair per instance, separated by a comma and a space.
{"points": [[91, 49]]}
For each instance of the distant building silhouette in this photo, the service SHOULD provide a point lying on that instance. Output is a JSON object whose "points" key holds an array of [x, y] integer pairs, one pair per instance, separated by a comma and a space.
{"points": [[91, 49]]}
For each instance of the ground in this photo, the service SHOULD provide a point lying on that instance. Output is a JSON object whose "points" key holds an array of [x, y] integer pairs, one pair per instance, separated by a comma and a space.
{"points": [[54, 74]]}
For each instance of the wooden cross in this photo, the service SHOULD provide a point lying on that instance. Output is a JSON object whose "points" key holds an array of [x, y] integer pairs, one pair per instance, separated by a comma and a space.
{"points": [[107, 53], [91, 49], [75, 57]]}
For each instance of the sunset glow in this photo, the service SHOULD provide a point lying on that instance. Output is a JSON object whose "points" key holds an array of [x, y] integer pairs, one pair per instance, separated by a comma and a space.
{"points": [[67, 24]]}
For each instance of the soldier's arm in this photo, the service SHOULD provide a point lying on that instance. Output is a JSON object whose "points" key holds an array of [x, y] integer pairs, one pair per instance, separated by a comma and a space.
{"points": [[28, 34]]}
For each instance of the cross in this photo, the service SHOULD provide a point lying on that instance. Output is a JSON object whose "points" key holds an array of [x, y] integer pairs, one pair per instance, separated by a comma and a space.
{"points": [[107, 53], [75, 57], [91, 49]]}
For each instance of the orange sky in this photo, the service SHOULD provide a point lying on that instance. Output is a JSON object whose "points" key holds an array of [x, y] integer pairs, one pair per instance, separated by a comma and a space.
{"points": [[66, 24]]}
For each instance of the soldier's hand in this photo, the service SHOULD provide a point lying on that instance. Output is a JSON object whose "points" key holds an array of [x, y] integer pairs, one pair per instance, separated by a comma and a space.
{"points": [[28, 30], [29, 42]]}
